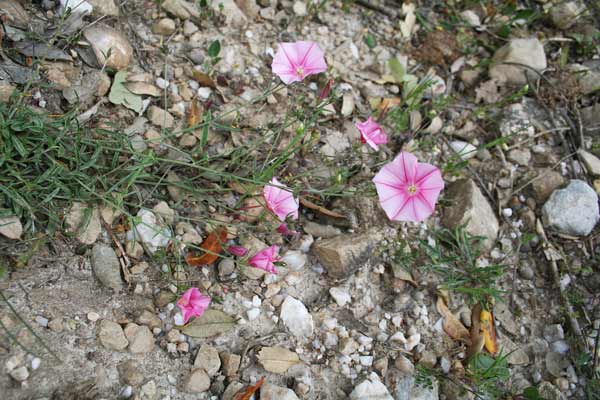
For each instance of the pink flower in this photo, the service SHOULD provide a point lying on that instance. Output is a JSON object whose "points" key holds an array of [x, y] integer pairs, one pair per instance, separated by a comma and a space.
{"points": [[371, 133], [408, 189], [295, 61], [237, 250], [286, 231], [280, 200], [192, 303], [264, 259]]}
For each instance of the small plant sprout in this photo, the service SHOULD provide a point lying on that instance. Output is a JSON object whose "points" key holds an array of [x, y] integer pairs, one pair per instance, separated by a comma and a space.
{"points": [[295, 61], [192, 304], [408, 189]]}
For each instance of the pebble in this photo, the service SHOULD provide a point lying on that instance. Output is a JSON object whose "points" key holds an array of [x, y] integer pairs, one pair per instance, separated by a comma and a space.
{"points": [[253, 314], [20, 374], [371, 389], [126, 392], [300, 8], [93, 316], [197, 381], [412, 341], [208, 358], [111, 335], [296, 317], [41, 321], [573, 210], [340, 295], [106, 266], [526, 272], [140, 338], [230, 362], [554, 332], [35, 363]]}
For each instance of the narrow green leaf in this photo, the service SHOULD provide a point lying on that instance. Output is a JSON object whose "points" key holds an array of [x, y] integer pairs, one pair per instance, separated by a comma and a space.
{"points": [[214, 49]]}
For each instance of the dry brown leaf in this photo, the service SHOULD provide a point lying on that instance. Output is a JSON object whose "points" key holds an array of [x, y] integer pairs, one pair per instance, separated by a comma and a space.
{"points": [[388, 102], [203, 79], [277, 359], [195, 115], [212, 246], [309, 204], [477, 339], [488, 331], [142, 88], [452, 325], [402, 274], [250, 390]]}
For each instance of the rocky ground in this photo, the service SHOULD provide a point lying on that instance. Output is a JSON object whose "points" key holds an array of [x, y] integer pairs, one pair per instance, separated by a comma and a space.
{"points": [[131, 130]]}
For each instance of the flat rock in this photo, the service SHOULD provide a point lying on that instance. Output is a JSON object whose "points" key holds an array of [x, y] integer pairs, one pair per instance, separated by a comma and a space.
{"points": [[519, 156], [106, 40], [464, 149], [572, 210], [230, 363], [111, 335], [164, 26], [343, 255], [272, 392], [11, 227], [160, 117], [590, 161], [180, 9], [467, 206], [320, 231], [197, 381], [296, 318], [106, 266], [84, 222], [529, 52], [208, 358]]}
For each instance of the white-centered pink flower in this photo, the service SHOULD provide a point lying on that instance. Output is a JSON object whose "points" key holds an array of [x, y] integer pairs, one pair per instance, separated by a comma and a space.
{"points": [[408, 189], [371, 133], [295, 61], [280, 200], [192, 303], [266, 259]]}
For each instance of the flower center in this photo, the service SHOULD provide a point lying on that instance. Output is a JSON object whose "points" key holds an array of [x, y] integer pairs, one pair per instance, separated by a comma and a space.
{"points": [[300, 72], [412, 190]]}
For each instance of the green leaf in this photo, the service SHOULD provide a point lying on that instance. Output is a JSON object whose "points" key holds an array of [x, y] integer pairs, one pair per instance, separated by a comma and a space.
{"points": [[397, 69], [531, 393], [370, 40], [120, 95], [214, 49], [211, 323]]}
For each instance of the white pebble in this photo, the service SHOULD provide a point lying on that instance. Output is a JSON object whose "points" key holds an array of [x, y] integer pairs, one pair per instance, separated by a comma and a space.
{"points": [[256, 302], [170, 307], [161, 83], [367, 361], [178, 319], [252, 314], [93, 316], [204, 92], [126, 392], [412, 341], [35, 363], [507, 212], [42, 321]]}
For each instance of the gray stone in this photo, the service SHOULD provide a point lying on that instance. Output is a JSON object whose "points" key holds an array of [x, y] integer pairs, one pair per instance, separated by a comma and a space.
{"points": [[197, 381], [572, 210], [296, 318], [529, 52], [590, 119], [208, 359], [404, 365], [588, 79], [231, 390], [343, 255], [526, 272], [180, 9], [233, 15], [468, 206], [556, 363], [300, 8], [197, 55], [11, 227], [320, 231], [20, 374], [226, 267], [464, 149], [272, 392], [520, 156], [106, 266], [590, 161], [84, 222], [164, 26], [554, 332], [150, 319], [104, 7], [111, 335]]}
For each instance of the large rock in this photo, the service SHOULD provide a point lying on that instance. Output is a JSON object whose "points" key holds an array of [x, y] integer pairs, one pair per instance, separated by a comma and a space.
{"points": [[343, 255], [469, 207], [111, 335], [529, 52], [572, 210], [106, 267], [371, 389], [296, 318], [272, 392]]}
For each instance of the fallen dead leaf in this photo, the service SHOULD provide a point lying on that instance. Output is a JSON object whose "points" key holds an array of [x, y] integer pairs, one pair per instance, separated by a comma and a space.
{"points": [[212, 247], [211, 323], [452, 325], [277, 359], [403, 274], [309, 204], [489, 332], [194, 115], [477, 339], [203, 79], [387, 103], [250, 390]]}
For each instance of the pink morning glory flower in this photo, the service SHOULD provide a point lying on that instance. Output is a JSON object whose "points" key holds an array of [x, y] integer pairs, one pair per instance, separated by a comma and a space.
{"points": [[371, 133], [295, 61], [237, 250], [192, 304], [280, 200], [265, 259], [408, 189], [286, 231]]}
